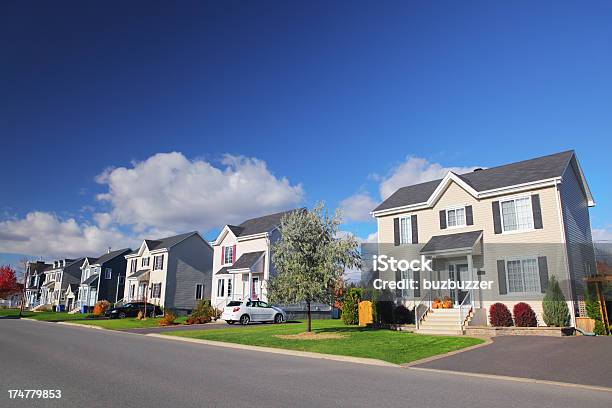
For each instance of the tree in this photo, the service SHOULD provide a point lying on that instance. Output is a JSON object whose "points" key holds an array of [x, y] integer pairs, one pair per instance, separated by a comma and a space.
{"points": [[350, 307], [310, 258], [556, 312], [593, 310], [8, 282]]}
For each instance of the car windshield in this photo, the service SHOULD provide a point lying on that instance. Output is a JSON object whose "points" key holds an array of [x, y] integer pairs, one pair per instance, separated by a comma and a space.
{"points": [[234, 303]]}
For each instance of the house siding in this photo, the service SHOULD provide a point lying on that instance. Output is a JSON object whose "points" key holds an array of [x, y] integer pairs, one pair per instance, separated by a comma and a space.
{"points": [[577, 223], [108, 287]]}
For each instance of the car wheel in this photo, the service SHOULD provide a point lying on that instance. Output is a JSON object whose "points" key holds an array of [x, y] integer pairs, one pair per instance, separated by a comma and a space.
{"points": [[230, 322], [278, 318], [122, 315], [244, 319]]}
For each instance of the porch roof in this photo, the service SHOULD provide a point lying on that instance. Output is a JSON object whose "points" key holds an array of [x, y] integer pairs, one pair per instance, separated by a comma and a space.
{"points": [[246, 261], [90, 280], [463, 241]]}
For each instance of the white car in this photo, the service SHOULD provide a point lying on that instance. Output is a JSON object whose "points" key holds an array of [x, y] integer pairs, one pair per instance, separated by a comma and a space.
{"points": [[246, 311]]}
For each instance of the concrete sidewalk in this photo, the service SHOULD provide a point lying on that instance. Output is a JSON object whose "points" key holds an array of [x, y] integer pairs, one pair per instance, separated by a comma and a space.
{"points": [[577, 359]]}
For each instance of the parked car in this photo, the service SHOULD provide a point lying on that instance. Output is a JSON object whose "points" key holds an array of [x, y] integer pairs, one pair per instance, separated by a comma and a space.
{"points": [[246, 311], [131, 310]]}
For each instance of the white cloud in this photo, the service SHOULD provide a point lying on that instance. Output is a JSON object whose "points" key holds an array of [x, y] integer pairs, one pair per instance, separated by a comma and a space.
{"points": [[357, 207], [602, 234], [44, 234], [413, 171], [168, 191]]}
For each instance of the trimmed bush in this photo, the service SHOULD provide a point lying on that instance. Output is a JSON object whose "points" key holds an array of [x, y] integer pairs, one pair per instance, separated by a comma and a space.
{"points": [[350, 306], [499, 315], [403, 315], [101, 307], [556, 312], [168, 319], [524, 316]]}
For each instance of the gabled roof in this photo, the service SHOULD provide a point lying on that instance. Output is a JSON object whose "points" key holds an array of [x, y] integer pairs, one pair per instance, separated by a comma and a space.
{"points": [[111, 255], [260, 224], [168, 241], [90, 260], [450, 242], [487, 180]]}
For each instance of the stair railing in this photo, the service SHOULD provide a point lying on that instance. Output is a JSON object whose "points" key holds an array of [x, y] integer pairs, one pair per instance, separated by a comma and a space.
{"points": [[421, 308], [465, 307]]}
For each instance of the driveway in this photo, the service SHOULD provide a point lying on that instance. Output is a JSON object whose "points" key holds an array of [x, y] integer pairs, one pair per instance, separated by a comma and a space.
{"points": [[576, 359], [103, 368]]}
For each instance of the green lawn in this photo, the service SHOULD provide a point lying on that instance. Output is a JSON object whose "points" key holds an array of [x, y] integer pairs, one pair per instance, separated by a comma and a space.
{"points": [[47, 316], [128, 323], [392, 346]]}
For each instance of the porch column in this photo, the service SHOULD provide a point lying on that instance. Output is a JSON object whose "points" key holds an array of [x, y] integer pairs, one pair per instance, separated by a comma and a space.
{"points": [[471, 269], [250, 285]]}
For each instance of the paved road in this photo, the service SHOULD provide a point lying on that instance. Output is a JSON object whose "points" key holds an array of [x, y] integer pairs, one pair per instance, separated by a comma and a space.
{"points": [[576, 359], [97, 368]]}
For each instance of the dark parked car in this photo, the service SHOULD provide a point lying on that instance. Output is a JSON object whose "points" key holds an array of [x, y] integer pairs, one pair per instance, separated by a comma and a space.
{"points": [[131, 310]]}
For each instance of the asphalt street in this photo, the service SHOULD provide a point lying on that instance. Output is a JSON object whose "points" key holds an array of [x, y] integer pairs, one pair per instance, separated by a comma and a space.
{"points": [[99, 368]]}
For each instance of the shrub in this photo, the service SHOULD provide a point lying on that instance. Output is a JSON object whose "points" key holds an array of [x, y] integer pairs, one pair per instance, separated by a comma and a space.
{"points": [[556, 312], [592, 306], [140, 315], [499, 315], [524, 316], [202, 313], [403, 315], [350, 306], [101, 307], [168, 319]]}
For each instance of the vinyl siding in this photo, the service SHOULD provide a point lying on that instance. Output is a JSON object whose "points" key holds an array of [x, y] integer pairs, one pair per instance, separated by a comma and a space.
{"points": [[577, 224]]}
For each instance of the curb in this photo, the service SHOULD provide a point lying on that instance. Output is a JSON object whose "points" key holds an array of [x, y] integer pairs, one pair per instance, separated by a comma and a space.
{"points": [[88, 326], [295, 353], [515, 379], [487, 341]]}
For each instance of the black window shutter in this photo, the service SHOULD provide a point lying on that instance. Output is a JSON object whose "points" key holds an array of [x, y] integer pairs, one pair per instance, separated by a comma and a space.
{"points": [[417, 285], [442, 219], [469, 215], [537, 211], [415, 229], [398, 277], [497, 227], [501, 277], [543, 268], [396, 232]]}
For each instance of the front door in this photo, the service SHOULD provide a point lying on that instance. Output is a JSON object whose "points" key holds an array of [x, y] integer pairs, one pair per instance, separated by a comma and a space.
{"points": [[255, 288], [461, 275]]}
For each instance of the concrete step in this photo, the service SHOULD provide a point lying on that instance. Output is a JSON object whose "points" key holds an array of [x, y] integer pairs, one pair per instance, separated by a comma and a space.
{"points": [[444, 318], [432, 323], [444, 311], [448, 332]]}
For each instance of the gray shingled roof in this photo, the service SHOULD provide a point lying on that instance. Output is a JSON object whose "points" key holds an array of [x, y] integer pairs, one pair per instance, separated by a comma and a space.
{"points": [[91, 279], [246, 260], [111, 255], [168, 241], [451, 241], [260, 224], [526, 171]]}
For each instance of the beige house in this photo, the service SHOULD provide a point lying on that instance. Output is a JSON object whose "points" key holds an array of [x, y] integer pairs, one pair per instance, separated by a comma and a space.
{"points": [[241, 262], [172, 272], [514, 226]]}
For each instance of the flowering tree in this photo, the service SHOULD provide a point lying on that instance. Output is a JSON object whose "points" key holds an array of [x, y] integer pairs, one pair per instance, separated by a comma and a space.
{"points": [[310, 258], [8, 282]]}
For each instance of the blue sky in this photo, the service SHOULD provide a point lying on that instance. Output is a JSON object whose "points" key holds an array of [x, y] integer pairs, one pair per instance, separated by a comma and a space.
{"points": [[312, 101]]}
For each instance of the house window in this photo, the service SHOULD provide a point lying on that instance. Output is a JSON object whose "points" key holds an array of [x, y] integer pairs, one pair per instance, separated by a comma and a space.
{"points": [[133, 265], [158, 262], [200, 291], [108, 273], [405, 230], [132, 290], [156, 290], [517, 214], [228, 255], [144, 261], [221, 288], [229, 287], [455, 217], [523, 276]]}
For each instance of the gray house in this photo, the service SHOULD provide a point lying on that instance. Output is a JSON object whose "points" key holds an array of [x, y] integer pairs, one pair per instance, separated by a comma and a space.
{"points": [[102, 278], [173, 272], [35, 278], [62, 274]]}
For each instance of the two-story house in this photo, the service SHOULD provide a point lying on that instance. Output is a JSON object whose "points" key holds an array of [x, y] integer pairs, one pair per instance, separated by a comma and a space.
{"points": [[35, 277], [242, 261], [102, 278], [62, 274], [173, 272], [514, 226]]}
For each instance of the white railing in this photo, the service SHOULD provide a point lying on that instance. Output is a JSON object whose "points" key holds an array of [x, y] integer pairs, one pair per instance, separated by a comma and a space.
{"points": [[421, 308], [465, 307]]}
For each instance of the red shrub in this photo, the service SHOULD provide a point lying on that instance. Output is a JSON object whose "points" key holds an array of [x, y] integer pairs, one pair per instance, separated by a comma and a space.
{"points": [[524, 315], [499, 315]]}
